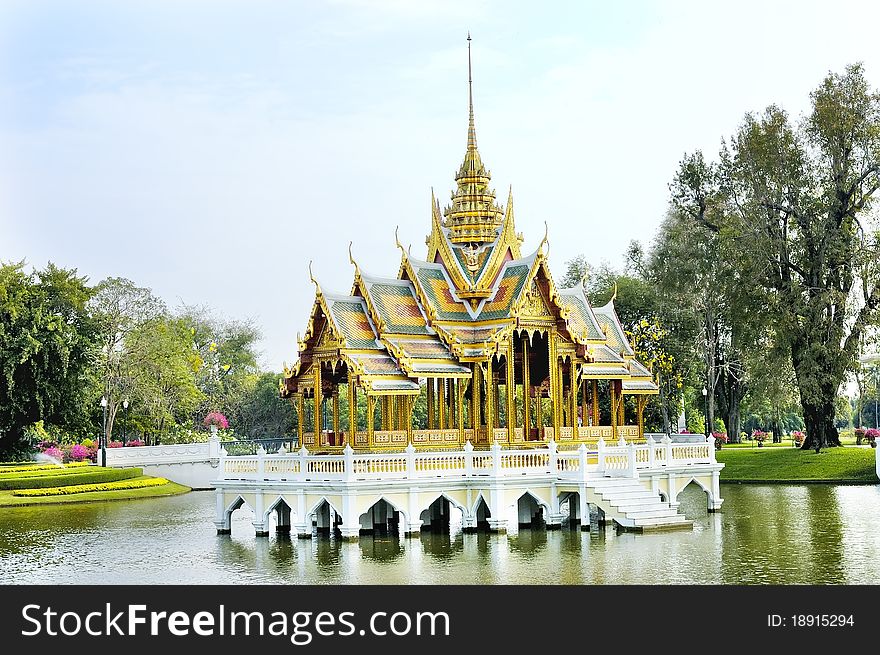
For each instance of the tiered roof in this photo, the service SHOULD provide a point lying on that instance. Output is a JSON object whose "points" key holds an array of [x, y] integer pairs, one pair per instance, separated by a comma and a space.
{"points": [[462, 302]]}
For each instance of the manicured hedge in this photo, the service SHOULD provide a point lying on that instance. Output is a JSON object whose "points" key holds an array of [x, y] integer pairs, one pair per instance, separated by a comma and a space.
{"points": [[39, 467], [93, 476], [85, 488], [42, 472]]}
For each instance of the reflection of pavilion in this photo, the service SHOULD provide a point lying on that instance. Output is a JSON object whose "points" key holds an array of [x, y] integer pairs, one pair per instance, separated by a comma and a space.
{"points": [[515, 373]]}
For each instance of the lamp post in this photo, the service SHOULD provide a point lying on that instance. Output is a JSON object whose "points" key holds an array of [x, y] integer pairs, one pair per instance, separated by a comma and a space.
{"points": [[104, 433], [706, 409], [125, 427]]}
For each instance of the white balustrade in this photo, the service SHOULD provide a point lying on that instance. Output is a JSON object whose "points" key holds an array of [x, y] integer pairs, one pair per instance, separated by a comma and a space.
{"points": [[607, 460]]}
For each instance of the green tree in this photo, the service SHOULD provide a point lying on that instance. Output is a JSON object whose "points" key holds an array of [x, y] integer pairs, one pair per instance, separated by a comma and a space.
{"points": [[165, 377], [261, 412], [799, 200], [121, 307], [48, 349]]}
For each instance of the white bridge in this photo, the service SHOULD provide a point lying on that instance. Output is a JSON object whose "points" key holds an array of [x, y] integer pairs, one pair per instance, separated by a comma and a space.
{"points": [[636, 486]]}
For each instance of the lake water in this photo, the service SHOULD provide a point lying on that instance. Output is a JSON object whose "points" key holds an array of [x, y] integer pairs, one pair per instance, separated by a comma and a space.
{"points": [[771, 534]]}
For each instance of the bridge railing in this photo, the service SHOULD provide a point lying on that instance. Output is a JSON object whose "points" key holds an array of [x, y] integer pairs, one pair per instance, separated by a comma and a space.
{"points": [[618, 460]]}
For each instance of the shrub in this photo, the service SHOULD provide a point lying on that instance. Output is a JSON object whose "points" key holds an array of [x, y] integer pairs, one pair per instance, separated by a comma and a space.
{"points": [[88, 443], [216, 418], [134, 442], [798, 437], [872, 433], [86, 488], [114, 444], [759, 435], [54, 453], [91, 476], [78, 453], [27, 468]]}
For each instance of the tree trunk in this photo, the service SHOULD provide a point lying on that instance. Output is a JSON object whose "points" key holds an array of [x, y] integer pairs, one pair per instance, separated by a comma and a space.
{"points": [[819, 422]]}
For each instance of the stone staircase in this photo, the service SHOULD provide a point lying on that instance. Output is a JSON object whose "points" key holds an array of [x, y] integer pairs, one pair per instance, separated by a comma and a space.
{"points": [[633, 507]]}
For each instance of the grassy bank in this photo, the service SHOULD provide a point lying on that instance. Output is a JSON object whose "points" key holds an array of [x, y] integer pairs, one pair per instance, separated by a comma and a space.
{"points": [[170, 489], [71, 478], [841, 465]]}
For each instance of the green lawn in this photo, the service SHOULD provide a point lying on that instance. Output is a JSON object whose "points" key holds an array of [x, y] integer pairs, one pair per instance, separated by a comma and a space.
{"points": [[795, 465], [170, 489]]}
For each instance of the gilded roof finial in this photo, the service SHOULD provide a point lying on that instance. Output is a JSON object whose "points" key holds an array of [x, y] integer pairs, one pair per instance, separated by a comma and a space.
{"points": [[472, 132], [397, 240], [544, 240], [312, 278], [614, 294], [584, 279], [357, 269]]}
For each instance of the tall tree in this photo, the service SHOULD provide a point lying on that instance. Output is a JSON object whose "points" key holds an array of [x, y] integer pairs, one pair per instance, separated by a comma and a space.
{"points": [[121, 307], [48, 349], [801, 198]]}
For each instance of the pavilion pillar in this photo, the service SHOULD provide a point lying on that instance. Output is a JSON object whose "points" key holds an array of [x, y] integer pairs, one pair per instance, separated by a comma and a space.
{"points": [[585, 418], [459, 394], [408, 402], [300, 418], [641, 402], [527, 396], [573, 397], [490, 398], [595, 393], [510, 391], [429, 383], [336, 414], [352, 412], [496, 397], [441, 402], [555, 386], [319, 423], [476, 384], [621, 418], [371, 417], [612, 388]]}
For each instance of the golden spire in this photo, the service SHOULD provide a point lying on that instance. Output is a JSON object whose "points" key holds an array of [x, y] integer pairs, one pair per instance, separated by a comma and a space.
{"points": [[472, 131], [474, 216]]}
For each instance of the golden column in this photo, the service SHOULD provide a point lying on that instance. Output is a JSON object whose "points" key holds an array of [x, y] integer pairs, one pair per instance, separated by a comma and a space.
{"points": [[371, 417], [408, 402], [319, 423], [336, 413], [476, 383], [490, 397], [621, 417], [573, 397], [429, 383], [300, 418], [612, 386], [459, 393], [352, 411], [641, 403], [510, 391], [441, 402], [584, 416], [496, 397], [595, 393], [555, 386], [527, 397]]}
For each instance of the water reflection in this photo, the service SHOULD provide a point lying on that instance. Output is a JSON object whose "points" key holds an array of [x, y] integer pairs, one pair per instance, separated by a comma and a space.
{"points": [[381, 548], [768, 534]]}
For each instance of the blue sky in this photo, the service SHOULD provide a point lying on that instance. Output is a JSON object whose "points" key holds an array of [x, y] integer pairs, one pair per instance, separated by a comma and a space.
{"points": [[208, 150]]}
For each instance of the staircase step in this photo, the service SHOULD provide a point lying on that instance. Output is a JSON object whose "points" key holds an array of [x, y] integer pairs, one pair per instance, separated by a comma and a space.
{"points": [[613, 496], [627, 505], [658, 513], [679, 520]]}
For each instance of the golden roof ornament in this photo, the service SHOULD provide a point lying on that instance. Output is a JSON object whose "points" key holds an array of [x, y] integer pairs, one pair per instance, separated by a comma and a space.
{"points": [[474, 216]]}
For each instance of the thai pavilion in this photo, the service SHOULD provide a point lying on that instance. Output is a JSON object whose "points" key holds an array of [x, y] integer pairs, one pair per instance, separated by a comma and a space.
{"points": [[502, 355]]}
